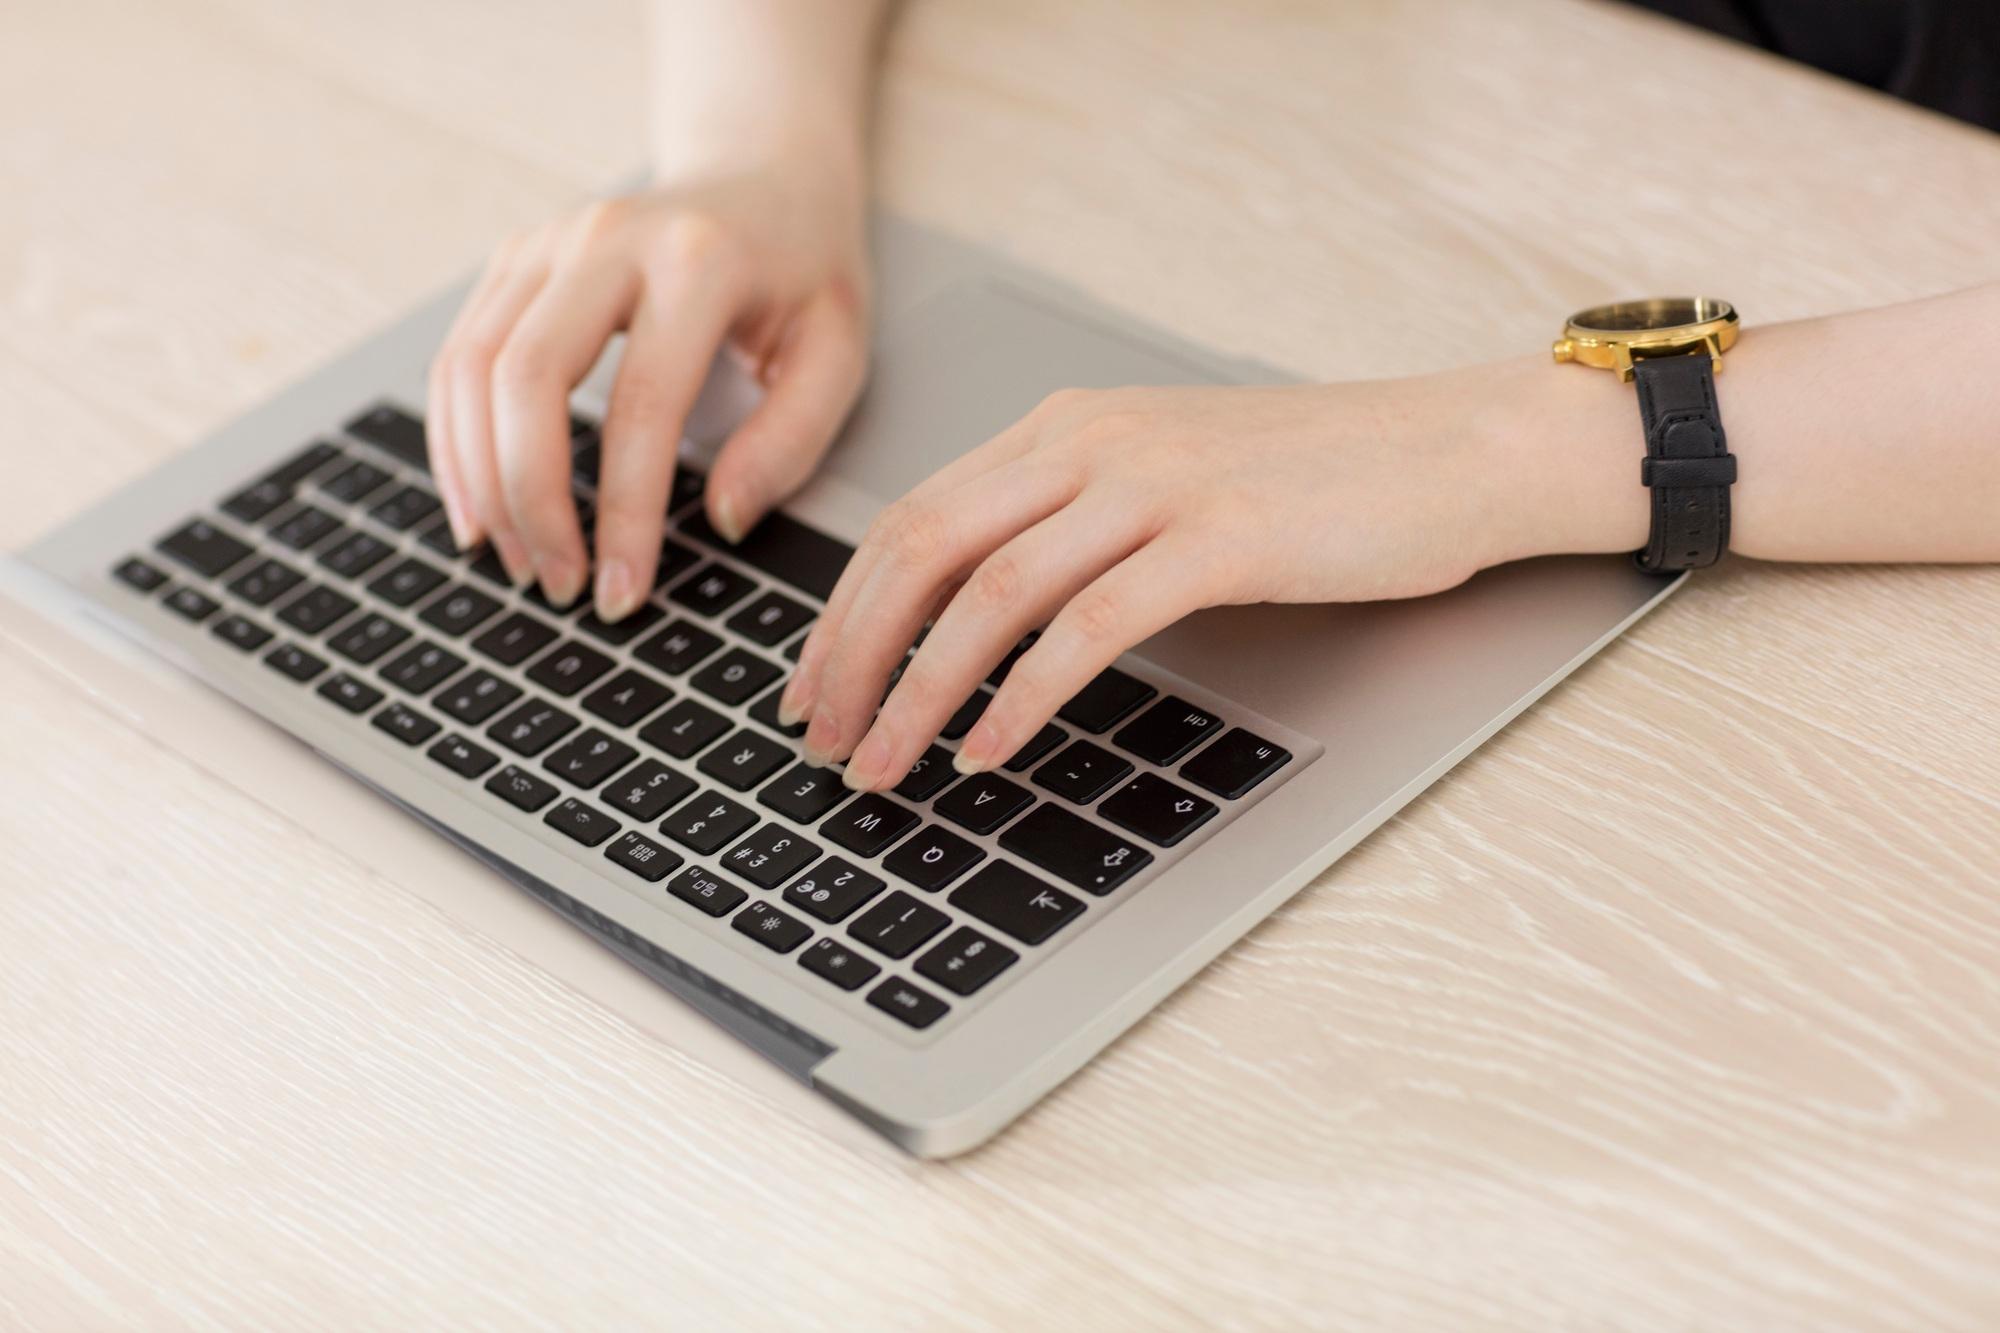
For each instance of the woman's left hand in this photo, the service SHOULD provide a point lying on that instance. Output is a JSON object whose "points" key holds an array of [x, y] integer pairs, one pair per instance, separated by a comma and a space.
{"points": [[1107, 515]]}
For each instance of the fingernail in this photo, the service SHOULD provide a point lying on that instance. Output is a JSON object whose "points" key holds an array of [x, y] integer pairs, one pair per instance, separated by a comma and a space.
{"points": [[865, 769], [461, 529], [820, 738], [793, 703], [561, 580], [976, 755], [520, 570], [728, 521], [615, 599]]}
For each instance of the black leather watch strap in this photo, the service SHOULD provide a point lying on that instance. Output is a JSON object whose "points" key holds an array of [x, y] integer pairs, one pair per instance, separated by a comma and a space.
{"points": [[1688, 466]]}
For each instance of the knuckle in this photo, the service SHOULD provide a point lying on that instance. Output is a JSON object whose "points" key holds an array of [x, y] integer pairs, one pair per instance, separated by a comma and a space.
{"points": [[1094, 617], [917, 537], [1109, 428], [523, 366], [996, 586], [600, 221], [693, 239], [1061, 404]]}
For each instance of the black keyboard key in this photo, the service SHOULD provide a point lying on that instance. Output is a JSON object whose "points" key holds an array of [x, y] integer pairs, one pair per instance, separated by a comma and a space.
{"points": [[587, 825], [927, 776], [1106, 701], [462, 756], [477, 696], [1014, 902], [834, 961], [459, 610], [393, 430], [407, 582], [405, 508], [521, 789], [532, 727], [588, 459], [192, 604], [965, 960], [535, 597], [1167, 731], [708, 823], [784, 548], [514, 640], [368, 638], [771, 619], [245, 635], [315, 609], [907, 1003], [1235, 764], [303, 464], [487, 565], [675, 560], [765, 711], [589, 758], [1157, 810], [569, 667], [438, 536], [778, 931], [354, 695], [265, 582], [405, 724], [933, 858], [689, 483], [643, 618], [796, 648], [871, 823], [626, 698], [745, 759], [714, 896], [770, 856], [643, 857], [803, 793], [898, 924], [647, 791], [968, 713], [354, 481], [1074, 849], [677, 647], [1006, 664], [1043, 741], [422, 668], [712, 589], [355, 554], [833, 889], [735, 676], [1082, 772], [983, 802], [303, 526], [136, 573], [685, 730], [204, 548], [291, 660], [265, 494]]}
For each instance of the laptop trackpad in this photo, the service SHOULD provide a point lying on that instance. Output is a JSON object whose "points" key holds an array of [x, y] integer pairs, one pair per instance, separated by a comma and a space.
{"points": [[972, 360]]}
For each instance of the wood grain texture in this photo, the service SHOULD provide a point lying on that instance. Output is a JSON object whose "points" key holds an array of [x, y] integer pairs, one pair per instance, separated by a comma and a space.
{"points": [[1673, 1007]]}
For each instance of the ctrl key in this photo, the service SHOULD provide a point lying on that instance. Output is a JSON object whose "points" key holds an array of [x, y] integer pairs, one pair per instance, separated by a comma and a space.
{"points": [[643, 857], [918, 1008]]}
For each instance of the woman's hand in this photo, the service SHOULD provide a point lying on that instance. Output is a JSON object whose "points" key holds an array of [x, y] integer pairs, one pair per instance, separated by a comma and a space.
{"points": [[1108, 515], [768, 260]]}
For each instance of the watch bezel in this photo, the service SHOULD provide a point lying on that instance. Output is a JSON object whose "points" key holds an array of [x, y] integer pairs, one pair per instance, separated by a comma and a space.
{"points": [[1590, 343]]}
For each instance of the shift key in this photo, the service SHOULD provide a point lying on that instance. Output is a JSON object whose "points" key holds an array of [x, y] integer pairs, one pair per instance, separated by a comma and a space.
{"points": [[1087, 855]]}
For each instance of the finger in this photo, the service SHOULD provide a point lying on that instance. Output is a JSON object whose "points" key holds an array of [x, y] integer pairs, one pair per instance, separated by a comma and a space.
{"points": [[924, 545], [1012, 591], [444, 459], [468, 358], [681, 320], [817, 373], [804, 689], [554, 344], [1138, 597]]}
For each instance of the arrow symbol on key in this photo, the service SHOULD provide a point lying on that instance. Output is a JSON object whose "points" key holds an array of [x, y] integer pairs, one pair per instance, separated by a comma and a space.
{"points": [[1182, 806]]}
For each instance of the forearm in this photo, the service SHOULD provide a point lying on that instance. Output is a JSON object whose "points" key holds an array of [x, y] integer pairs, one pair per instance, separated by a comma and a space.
{"points": [[1869, 436], [758, 80]]}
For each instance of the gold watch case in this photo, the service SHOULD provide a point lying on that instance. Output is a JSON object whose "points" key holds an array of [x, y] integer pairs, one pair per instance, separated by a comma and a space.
{"points": [[1612, 337]]}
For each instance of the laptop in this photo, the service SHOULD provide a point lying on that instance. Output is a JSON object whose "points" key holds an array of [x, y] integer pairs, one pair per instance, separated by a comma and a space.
{"points": [[934, 959]]}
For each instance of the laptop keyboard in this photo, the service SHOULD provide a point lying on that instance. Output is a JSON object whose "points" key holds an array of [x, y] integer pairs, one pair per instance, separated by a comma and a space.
{"points": [[654, 743]]}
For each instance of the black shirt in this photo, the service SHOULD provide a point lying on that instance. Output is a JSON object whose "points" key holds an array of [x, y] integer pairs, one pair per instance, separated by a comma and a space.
{"points": [[1943, 54]]}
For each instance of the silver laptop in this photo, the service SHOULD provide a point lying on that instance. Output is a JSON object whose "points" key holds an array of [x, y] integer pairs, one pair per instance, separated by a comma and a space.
{"points": [[934, 959]]}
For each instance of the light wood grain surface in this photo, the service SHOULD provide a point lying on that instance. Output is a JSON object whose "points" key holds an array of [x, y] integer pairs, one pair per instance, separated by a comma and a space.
{"points": [[1676, 1006]]}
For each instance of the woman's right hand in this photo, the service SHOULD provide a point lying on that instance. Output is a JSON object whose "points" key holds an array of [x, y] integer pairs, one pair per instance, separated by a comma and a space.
{"points": [[769, 261]]}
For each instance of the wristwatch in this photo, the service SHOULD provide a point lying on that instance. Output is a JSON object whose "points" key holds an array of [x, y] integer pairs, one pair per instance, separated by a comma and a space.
{"points": [[1671, 347]]}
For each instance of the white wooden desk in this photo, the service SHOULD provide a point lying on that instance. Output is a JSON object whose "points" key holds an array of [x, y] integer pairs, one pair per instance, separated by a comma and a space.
{"points": [[1676, 1006]]}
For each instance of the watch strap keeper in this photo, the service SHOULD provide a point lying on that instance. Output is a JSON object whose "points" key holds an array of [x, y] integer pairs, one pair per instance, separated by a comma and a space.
{"points": [[1688, 467]]}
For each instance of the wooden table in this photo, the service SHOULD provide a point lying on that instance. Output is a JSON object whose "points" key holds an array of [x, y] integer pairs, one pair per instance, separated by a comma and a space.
{"points": [[1675, 1006]]}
